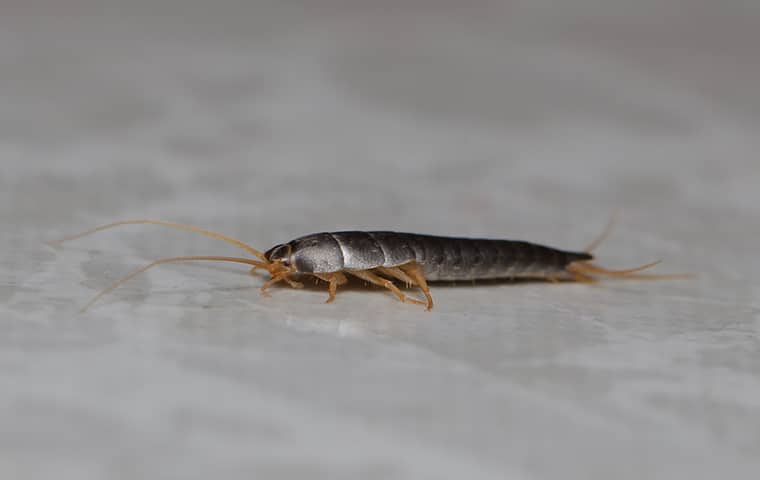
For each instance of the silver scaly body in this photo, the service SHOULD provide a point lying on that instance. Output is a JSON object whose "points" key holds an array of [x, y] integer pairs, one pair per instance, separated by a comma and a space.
{"points": [[441, 258]]}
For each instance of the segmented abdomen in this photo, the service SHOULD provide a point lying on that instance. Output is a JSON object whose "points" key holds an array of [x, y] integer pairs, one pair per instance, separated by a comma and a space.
{"points": [[453, 258]]}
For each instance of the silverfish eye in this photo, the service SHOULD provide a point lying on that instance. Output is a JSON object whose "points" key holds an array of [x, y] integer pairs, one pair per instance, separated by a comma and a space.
{"points": [[278, 252]]}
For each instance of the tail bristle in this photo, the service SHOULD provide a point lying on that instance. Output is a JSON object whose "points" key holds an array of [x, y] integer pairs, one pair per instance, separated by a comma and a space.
{"points": [[586, 267]]}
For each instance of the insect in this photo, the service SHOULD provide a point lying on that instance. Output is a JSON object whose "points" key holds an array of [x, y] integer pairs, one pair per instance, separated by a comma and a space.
{"points": [[382, 257]]}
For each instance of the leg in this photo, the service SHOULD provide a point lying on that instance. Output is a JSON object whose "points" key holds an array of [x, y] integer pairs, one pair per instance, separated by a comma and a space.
{"points": [[293, 283], [335, 279], [290, 282], [398, 274], [415, 271], [272, 281], [383, 282]]}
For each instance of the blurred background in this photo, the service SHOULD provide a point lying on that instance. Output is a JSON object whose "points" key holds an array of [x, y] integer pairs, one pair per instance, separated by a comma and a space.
{"points": [[267, 120]]}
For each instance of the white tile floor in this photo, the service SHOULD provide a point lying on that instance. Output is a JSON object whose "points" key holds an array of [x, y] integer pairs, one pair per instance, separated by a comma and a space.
{"points": [[270, 120]]}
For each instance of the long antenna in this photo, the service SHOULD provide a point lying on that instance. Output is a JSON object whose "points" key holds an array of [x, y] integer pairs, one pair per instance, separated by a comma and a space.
{"points": [[140, 270], [165, 223]]}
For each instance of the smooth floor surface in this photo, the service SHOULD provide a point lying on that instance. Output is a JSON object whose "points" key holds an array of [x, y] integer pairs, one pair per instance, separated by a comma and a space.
{"points": [[268, 120]]}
